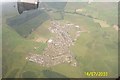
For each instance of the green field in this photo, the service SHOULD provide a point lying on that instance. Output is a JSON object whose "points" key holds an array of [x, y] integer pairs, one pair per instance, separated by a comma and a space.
{"points": [[95, 50]]}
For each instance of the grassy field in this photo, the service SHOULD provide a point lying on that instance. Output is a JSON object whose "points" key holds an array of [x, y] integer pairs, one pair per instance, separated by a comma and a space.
{"points": [[96, 10], [25, 23], [15, 48]]}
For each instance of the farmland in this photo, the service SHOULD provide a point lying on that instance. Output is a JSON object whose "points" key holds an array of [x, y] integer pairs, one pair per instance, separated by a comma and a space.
{"points": [[95, 49]]}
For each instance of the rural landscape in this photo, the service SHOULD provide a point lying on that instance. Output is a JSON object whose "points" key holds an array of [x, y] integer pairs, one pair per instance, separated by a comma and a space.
{"points": [[60, 40]]}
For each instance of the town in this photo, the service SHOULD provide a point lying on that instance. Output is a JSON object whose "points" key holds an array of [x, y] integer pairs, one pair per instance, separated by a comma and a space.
{"points": [[58, 49]]}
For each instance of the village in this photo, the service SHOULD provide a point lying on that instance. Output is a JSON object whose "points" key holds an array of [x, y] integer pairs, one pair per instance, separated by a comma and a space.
{"points": [[58, 49]]}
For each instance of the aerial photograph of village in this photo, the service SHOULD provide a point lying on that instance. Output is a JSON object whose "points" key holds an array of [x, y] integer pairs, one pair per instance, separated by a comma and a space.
{"points": [[59, 39]]}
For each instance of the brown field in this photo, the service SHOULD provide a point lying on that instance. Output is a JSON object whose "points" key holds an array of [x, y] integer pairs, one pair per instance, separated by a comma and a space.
{"points": [[102, 23], [40, 39]]}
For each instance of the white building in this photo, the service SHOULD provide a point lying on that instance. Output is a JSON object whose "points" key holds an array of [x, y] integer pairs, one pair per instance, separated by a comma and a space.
{"points": [[50, 40]]}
